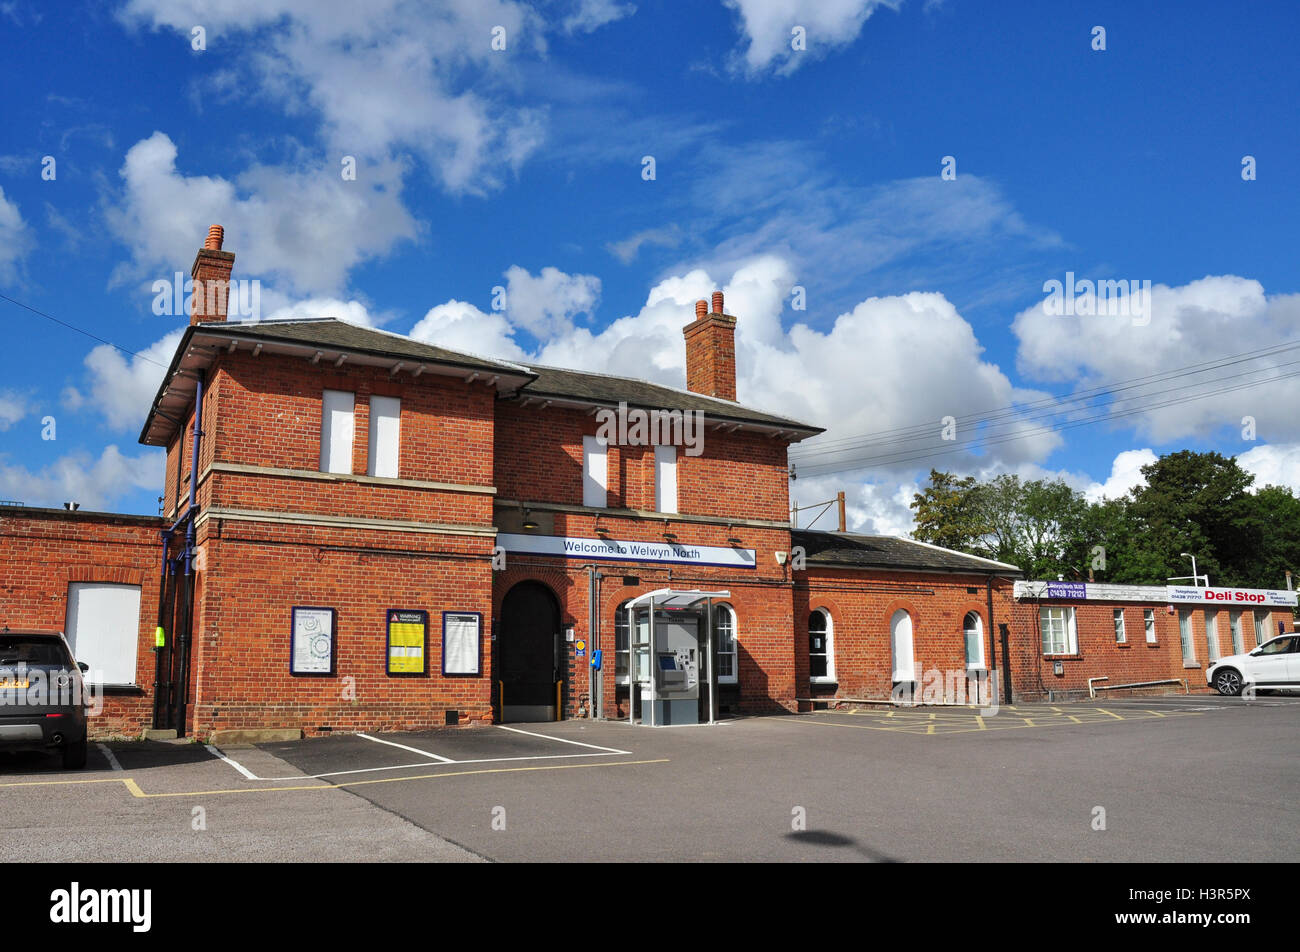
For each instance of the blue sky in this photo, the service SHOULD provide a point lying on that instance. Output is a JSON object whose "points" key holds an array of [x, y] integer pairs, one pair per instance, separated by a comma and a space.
{"points": [[775, 170]]}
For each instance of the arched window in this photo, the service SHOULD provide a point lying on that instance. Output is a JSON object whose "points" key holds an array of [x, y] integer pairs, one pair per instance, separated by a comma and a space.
{"points": [[900, 646], [973, 627], [724, 640], [821, 650]]}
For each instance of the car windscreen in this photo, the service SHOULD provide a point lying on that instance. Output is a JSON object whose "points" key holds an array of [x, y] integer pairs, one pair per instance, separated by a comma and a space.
{"points": [[32, 651]]}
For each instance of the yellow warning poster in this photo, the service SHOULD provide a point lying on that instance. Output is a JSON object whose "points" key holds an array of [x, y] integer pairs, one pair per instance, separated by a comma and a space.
{"points": [[408, 633]]}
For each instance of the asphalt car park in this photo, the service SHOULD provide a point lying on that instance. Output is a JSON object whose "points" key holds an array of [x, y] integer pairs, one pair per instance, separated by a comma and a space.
{"points": [[1187, 778]]}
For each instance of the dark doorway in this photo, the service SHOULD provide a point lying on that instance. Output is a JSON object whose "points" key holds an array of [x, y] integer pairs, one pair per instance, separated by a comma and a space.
{"points": [[530, 668]]}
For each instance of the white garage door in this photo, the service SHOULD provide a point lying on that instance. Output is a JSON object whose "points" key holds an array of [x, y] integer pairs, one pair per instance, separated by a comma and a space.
{"points": [[104, 629]]}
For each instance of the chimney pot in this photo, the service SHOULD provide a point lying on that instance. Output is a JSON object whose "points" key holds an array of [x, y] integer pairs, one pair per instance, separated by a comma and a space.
{"points": [[717, 302], [216, 235], [701, 309]]}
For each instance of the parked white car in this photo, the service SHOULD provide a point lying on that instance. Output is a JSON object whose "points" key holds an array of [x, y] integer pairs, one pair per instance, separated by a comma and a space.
{"points": [[1274, 664]]}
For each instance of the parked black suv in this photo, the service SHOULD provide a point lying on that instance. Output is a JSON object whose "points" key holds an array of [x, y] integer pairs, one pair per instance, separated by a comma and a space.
{"points": [[43, 696]]}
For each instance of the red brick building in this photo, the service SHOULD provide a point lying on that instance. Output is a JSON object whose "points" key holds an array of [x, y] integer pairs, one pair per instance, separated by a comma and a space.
{"points": [[366, 532], [1070, 632]]}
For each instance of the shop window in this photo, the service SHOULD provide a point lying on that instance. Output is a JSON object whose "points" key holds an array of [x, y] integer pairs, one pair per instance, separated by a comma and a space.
{"points": [[1121, 636], [973, 633], [385, 436], [103, 629], [1149, 623], [337, 429], [1185, 635], [1212, 635], [595, 472], [821, 651], [724, 637], [1262, 633], [900, 647], [1234, 626], [665, 479], [1057, 627]]}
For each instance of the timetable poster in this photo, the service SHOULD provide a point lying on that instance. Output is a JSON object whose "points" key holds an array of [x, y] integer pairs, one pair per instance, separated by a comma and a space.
{"points": [[461, 642], [408, 633], [312, 637]]}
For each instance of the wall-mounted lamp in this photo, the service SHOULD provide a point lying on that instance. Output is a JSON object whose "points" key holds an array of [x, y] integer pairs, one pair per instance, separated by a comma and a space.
{"points": [[529, 522]]}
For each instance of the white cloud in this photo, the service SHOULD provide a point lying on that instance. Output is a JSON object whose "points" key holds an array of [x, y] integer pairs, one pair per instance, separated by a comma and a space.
{"points": [[381, 76], [1205, 320], [627, 249], [458, 325], [546, 304], [15, 240], [1273, 465], [308, 226], [121, 387], [767, 27], [591, 15], [79, 477], [888, 362], [1125, 475], [13, 407], [352, 311]]}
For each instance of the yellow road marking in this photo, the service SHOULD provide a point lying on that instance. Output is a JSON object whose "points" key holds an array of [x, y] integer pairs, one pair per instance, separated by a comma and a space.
{"points": [[58, 783], [136, 792], [949, 723]]}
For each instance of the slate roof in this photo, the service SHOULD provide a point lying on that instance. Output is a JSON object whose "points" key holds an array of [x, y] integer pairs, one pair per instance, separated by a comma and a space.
{"points": [[334, 334], [847, 550], [607, 388]]}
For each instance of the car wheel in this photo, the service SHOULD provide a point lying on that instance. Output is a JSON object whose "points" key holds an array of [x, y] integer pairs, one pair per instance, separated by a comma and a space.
{"points": [[1227, 682], [74, 756]]}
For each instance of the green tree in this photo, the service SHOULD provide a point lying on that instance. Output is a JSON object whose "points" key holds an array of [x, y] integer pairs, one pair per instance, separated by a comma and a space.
{"points": [[1196, 503], [945, 513]]}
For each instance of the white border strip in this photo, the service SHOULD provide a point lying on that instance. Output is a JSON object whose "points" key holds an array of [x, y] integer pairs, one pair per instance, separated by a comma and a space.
{"points": [[238, 766], [110, 757], [562, 740], [414, 750]]}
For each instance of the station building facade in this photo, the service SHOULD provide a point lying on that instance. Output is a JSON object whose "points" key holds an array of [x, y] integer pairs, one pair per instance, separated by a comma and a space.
{"points": [[362, 531]]}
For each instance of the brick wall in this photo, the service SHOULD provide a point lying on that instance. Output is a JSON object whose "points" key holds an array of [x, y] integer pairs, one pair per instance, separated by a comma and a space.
{"points": [[43, 551], [862, 604], [538, 456], [1100, 655]]}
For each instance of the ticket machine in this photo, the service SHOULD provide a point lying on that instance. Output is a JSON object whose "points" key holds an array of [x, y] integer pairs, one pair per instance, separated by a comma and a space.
{"points": [[669, 655]]}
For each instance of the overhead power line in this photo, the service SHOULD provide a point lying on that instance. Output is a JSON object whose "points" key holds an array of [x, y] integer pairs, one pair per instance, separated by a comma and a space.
{"points": [[79, 330], [1018, 411], [860, 462]]}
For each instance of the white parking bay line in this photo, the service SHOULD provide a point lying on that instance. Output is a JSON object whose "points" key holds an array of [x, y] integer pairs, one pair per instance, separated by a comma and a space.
{"points": [[414, 750], [425, 766], [248, 774], [563, 740], [109, 756]]}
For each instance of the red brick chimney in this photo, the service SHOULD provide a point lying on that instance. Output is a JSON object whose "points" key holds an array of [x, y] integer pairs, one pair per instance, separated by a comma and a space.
{"points": [[711, 351], [211, 274]]}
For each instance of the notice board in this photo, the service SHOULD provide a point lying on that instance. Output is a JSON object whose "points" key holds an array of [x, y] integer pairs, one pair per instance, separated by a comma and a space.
{"points": [[311, 641], [408, 637], [462, 642]]}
